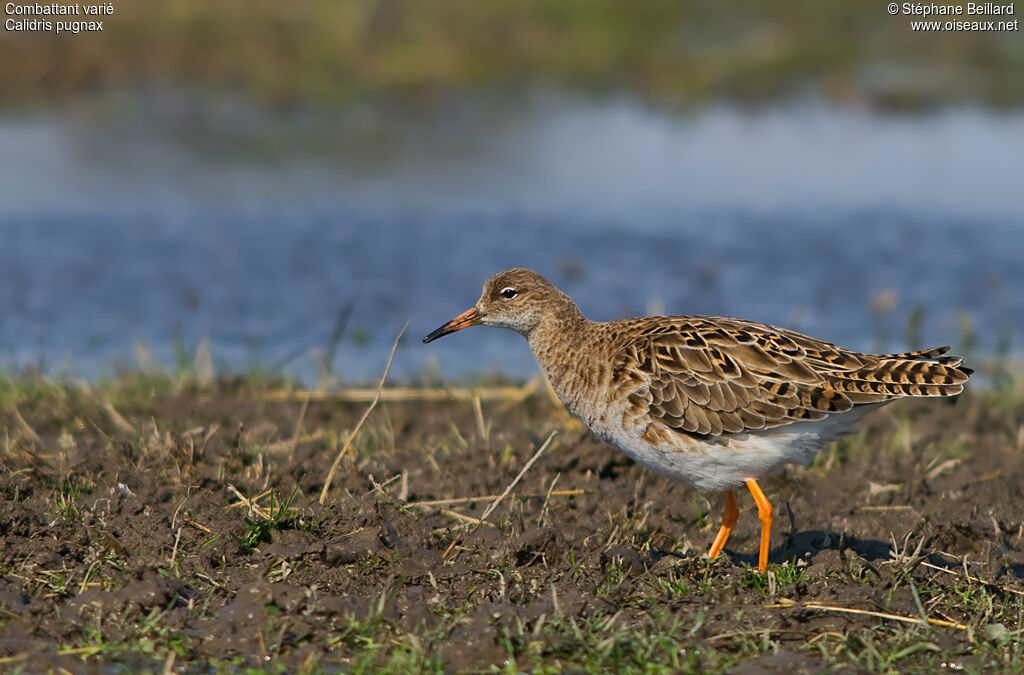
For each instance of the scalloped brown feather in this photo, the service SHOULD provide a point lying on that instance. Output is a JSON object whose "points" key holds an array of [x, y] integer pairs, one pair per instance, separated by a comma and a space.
{"points": [[713, 375]]}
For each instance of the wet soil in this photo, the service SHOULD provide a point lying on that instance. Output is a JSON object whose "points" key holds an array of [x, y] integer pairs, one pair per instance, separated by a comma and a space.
{"points": [[174, 529]]}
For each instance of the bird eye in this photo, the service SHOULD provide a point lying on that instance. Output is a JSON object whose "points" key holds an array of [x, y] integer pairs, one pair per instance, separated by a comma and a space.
{"points": [[509, 293]]}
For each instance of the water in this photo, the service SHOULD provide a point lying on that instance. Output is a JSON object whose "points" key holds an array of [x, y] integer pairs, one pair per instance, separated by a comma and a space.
{"points": [[142, 221]]}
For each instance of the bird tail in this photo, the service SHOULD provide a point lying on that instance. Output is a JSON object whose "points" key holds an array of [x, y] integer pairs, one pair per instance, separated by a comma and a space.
{"points": [[927, 372]]}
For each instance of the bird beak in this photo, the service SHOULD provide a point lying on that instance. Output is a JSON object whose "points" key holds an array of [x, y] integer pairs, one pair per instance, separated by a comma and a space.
{"points": [[470, 317]]}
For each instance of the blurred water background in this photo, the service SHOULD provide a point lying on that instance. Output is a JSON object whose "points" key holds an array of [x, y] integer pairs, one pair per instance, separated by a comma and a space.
{"points": [[288, 211]]}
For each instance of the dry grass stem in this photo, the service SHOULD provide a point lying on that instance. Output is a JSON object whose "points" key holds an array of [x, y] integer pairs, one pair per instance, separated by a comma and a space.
{"points": [[298, 425], [403, 487], [199, 526], [168, 666], [481, 427], [291, 443], [973, 578], [174, 553], [448, 550], [379, 487], [249, 503], [508, 395], [23, 425], [468, 519], [991, 475], [785, 603], [547, 500], [487, 498], [942, 468], [515, 481], [362, 420], [117, 418]]}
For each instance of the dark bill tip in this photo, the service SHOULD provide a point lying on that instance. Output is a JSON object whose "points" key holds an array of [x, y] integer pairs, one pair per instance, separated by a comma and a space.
{"points": [[468, 318], [440, 332]]}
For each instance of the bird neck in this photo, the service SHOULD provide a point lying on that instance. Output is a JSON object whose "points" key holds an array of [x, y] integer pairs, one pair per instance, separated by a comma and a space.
{"points": [[556, 342]]}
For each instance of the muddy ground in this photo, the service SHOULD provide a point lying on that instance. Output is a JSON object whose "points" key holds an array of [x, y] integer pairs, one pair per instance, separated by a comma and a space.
{"points": [[150, 526]]}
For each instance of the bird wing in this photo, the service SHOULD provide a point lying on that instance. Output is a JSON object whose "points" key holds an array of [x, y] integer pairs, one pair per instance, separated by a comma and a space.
{"points": [[709, 375]]}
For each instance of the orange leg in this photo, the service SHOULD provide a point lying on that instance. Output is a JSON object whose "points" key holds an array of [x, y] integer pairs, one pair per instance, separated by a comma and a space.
{"points": [[764, 512], [728, 522]]}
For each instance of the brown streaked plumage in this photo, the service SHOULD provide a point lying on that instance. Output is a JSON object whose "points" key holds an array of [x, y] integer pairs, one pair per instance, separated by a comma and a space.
{"points": [[714, 402]]}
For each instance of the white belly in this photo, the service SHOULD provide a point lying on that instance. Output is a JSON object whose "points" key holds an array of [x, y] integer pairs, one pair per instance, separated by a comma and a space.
{"points": [[725, 462]]}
